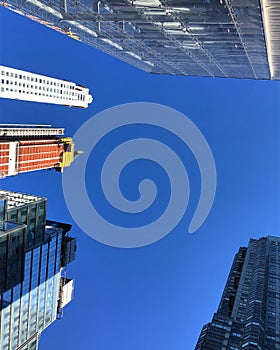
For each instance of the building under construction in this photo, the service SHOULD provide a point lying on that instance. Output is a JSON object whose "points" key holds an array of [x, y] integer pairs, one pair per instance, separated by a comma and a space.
{"points": [[26, 148], [213, 38]]}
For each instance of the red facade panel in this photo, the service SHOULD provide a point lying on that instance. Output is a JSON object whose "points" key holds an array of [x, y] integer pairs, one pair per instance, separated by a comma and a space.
{"points": [[4, 159], [39, 154], [30, 155]]}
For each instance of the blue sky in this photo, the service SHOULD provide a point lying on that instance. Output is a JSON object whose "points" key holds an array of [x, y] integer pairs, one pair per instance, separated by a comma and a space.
{"points": [[159, 296]]}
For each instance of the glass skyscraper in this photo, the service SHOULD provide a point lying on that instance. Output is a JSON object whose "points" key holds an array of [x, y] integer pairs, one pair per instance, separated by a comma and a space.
{"points": [[213, 38], [33, 255], [248, 317]]}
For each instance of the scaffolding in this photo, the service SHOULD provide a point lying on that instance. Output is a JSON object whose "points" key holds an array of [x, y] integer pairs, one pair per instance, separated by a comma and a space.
{"points": [[21, 130]]}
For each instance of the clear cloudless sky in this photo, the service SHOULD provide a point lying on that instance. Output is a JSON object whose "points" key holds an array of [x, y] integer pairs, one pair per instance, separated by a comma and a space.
{"points": [[157, 297]]}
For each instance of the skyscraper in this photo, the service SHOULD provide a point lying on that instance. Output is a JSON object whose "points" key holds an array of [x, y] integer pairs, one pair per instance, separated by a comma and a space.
{"points": [[33, 284], [248, 317], [26, 148], [214, 38], [20, 85]]}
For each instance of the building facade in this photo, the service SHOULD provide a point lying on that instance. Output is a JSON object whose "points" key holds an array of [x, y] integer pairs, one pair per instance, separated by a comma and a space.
{"points": [[213, 38], [21, 85], [33, 256], [25, 148], [248, 317]]}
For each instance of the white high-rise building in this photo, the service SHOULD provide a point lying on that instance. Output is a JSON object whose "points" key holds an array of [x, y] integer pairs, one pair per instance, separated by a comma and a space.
{"points": [[21, 85]]}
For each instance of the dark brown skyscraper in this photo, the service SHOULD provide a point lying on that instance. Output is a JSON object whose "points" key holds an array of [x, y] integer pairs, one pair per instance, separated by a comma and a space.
{"points": [[248, 317]]}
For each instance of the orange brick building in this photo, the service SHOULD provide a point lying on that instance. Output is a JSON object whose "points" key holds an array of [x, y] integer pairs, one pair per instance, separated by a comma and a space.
{"points": [[29, 148]]}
